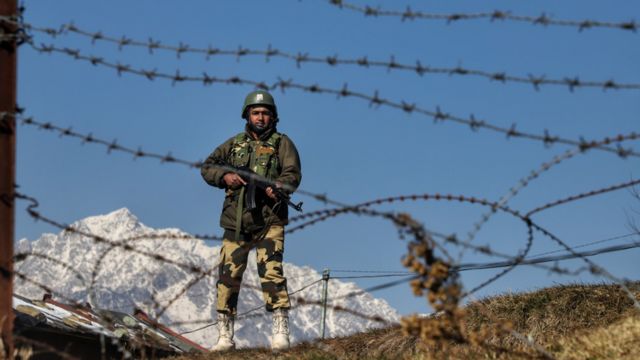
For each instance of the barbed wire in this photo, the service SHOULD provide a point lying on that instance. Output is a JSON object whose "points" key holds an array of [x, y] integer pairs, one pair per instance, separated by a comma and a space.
{"points": [[113, 146], [326, 214], [588, 244], [323, 215], [584, 195], [518, 260], [300, 58], [540, 259], [481, 249], [369, 276], [370, 271], [438, 115], [472, 200], [438, 277], [462, 199], [359, 208], [525, 181], [22, 256], [493, 16], [12, 33], [486, 250]]}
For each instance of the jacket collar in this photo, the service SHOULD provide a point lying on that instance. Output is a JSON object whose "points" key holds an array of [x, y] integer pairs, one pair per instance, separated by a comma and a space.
{"points": [[264, 136]]}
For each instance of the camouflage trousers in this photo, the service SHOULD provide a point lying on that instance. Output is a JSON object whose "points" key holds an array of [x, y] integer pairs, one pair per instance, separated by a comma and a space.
{"points": [[233, 263]]}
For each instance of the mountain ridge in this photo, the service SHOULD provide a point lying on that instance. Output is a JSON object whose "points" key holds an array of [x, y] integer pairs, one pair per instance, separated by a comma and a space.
{"points": [[124, 280]]}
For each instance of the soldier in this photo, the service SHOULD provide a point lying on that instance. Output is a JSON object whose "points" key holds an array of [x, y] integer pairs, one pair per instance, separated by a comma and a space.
{"points": [[271, 155]]}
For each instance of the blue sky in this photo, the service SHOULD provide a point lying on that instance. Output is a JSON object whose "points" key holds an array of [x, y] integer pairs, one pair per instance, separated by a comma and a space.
{"points": [[350, 150]]}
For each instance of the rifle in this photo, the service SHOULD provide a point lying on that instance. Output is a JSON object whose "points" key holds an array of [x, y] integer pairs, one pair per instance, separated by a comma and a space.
{"points": [[255, 181]]}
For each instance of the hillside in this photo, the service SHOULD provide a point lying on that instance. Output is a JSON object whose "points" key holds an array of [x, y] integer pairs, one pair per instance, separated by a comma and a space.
{"points": [[569, 322]]}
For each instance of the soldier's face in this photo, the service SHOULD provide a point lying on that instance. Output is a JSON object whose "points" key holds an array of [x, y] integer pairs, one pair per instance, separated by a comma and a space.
{"points": [[260, 117]]}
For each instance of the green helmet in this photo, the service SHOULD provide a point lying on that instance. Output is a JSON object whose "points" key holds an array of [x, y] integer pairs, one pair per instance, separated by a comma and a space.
{"points": [[259, 97]]}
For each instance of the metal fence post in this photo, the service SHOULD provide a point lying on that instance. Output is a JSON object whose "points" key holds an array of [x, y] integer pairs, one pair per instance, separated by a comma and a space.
{"points": [[325, 284], [8, 86]]}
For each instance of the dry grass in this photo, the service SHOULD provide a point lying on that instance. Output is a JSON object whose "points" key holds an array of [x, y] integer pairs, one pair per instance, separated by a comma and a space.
{"points": [[568, 322], [617, 341]]}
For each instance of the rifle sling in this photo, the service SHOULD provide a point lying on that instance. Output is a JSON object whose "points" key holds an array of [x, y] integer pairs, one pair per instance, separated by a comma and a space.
{"points": [[239, 213]]}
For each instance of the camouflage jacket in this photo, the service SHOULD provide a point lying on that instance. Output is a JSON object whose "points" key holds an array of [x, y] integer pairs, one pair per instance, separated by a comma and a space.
{"points": [[268, 211]]}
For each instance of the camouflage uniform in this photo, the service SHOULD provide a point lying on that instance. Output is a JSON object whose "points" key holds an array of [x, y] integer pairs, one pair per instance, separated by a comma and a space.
{"points": [[275, 155]]}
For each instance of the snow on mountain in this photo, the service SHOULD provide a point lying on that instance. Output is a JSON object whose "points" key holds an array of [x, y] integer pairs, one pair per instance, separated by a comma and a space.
{"points": [[69, 263]]}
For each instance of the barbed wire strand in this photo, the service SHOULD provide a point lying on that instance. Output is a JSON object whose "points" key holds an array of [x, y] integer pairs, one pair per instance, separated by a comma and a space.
{"points": [[300, 58], [494, 17], [583, 195], [113, 146], [369, 276], [22, 256], [540, 259], [595, 242], [438, 115], [371, 271]]}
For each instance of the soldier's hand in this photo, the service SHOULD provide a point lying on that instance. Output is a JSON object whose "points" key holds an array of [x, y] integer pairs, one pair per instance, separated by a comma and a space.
{"points": [[271, 193], [233, 180]]}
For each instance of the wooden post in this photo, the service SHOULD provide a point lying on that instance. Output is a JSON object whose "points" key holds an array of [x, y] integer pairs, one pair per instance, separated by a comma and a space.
{"points": [[8, 61]]}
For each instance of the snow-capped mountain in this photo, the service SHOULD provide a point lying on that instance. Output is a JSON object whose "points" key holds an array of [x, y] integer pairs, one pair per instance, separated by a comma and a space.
{"points": [[69, 263]]}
